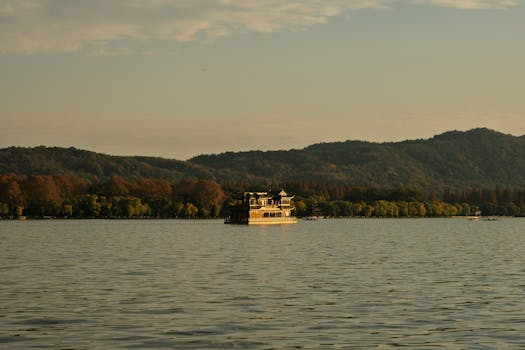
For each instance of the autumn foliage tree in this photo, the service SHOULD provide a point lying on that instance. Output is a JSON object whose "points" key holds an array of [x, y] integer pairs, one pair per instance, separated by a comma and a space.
{"points": [[117, 186], [43, 195], [207, 195], [12, 198]]}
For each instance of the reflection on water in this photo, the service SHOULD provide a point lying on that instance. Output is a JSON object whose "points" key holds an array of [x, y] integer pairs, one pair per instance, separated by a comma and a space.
{"points": [[421, 284]]}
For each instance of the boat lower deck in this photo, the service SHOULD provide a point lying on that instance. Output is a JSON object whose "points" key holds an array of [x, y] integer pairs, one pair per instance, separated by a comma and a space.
{"points": [[264, 221]]}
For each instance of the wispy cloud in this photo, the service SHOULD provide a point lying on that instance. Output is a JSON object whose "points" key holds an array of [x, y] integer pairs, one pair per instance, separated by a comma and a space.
{"points": [[29, 26], [477, 4]]}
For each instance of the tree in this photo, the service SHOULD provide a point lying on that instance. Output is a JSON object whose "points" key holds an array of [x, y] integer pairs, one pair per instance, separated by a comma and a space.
{"points": [[381, 208], [206, 194], [10, 192], [369, 211], [183, 189], [178, 209], [43, 195], [300, 207], [67, 210], [132, 207], [4, 209], [330, 209], [70, 186], [152, 190], [190, 211], [359, 208], [19, 211], [116, 186], [86, 205], [216, 211], [403, 209]]}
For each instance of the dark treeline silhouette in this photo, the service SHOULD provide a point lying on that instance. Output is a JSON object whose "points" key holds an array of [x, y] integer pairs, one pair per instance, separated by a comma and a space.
{"points": [[69, 196], [478, 158], [345, 200]]}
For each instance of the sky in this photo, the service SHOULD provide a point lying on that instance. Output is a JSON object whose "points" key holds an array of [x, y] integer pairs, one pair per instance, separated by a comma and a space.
{"points": [[179, 78]]}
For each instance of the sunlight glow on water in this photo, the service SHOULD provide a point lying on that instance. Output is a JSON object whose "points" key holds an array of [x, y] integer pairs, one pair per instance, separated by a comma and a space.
{"points": [[168, 284]]}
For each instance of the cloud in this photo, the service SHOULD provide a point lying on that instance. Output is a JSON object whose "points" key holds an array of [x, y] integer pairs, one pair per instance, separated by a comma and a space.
{"points": [[477, 4], [30, 26]]}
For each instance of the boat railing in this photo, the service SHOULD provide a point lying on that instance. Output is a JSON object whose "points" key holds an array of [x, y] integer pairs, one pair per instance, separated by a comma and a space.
{"points": [[281, 219]]}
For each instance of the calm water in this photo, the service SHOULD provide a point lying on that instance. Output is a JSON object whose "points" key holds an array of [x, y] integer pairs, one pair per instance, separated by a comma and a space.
{"points": [[421, 284]]}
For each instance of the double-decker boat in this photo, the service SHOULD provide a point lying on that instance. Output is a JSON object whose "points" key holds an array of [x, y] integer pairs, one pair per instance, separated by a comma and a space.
{"points": [[262, 208]]}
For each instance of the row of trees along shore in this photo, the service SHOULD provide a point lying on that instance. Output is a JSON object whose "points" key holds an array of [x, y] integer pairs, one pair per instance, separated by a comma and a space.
{"points": [[74, 197], [68, 196]]}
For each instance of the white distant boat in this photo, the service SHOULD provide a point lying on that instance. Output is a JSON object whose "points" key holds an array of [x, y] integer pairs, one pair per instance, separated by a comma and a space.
{"points": [[476, 215]]}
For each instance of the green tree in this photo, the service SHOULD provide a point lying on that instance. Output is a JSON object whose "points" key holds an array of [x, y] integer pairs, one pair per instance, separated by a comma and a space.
{"points": [[132, 207], [205, 213], [86, 205], [369, 211], [381, 208], [4, 209], [190, 211], [359, 208], [300, 208], [216, 211], [178, 209], [67, 210], [346, 208], [19, 211]]}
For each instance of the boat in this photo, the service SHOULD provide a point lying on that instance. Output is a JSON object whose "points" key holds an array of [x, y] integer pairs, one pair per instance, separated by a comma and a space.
{"points": [[476, 214], [262, 208]]}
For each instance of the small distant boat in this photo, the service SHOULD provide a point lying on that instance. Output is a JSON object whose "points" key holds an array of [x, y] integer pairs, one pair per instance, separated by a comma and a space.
{"points": [[491, 218], [475, 215]]}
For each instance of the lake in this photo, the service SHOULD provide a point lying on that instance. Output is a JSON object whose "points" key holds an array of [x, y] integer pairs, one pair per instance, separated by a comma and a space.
{"points": [[325, 284]]}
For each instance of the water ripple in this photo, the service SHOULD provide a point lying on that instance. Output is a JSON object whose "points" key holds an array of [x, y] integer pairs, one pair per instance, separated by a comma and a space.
{"points": [[341, 284]]}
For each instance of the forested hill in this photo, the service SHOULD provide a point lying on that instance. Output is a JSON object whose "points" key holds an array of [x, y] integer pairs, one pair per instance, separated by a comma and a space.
{"points": [[479, 157], [90, 165]]}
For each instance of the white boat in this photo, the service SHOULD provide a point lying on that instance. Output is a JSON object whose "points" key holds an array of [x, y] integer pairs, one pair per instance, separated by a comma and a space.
{"points": [[475, 215]]}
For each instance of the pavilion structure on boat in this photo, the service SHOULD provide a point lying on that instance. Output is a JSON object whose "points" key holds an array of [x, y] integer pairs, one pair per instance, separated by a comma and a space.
{"points": [[256, 208]]}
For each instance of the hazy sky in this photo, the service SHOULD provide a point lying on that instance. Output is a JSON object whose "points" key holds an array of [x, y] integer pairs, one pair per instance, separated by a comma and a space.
{"points": [[177, 78]]}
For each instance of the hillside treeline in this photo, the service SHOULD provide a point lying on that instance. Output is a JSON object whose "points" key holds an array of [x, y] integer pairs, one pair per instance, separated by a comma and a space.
{"points": [[478, 158], [70, 196], [473, 159]]}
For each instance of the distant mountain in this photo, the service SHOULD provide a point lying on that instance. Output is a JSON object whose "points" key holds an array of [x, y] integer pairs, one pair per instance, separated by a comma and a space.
{"points": [[478, 157]]}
